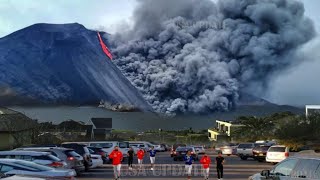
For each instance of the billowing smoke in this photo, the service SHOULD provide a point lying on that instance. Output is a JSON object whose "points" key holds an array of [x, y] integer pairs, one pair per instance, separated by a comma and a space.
{"points": [[198, 56]]}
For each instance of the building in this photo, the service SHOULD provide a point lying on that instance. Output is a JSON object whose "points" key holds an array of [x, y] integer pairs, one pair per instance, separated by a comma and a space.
{"points": [[16, 129], [101, 128], [223, 130], [312, 108]]}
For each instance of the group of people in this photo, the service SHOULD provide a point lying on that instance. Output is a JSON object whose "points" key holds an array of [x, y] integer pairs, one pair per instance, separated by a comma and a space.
{"points": [[205, 161], [117, 157]]}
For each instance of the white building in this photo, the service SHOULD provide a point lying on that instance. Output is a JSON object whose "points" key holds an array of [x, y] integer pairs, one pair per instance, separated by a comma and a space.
{"points": [[222, 131], [311, 107]]}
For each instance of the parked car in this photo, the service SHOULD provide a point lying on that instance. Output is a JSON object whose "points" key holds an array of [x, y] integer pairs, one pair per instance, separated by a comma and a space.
{"points": [[27, 168], [83, 151], [158, 147], [73, 159], [174, 147], [260, 152], [18, 177], [43, 158], [101, 152], [226, 150], [244, 150], [277, 154], [96, 161], [180, 152], [299, 167], [200, 149], [165, 146], [108, 146]]}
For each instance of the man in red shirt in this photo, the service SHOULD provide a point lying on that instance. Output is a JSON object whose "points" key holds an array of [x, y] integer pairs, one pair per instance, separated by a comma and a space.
{"points": [[116, 157], [206, 161], [140, 155]]}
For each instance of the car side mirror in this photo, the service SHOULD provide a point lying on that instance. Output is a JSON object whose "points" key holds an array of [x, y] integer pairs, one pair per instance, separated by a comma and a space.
{"points": [[265, 173]]}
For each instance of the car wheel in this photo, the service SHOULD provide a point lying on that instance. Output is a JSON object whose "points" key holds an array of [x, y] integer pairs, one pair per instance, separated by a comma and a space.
{"points": [[260, 160], [229, 155], [244, 158]]}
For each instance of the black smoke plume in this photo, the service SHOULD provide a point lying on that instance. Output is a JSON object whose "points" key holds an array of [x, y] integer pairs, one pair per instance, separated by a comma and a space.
{"points": [[198, 56]]}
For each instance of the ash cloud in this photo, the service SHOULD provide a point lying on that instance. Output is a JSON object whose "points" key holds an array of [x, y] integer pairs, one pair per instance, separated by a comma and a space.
{"points": [[199, 56]]}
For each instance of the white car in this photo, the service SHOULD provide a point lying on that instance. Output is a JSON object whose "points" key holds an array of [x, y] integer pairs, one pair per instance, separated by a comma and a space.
{"points": [[27, 168], [108, 146], [43, 158], [226, 150], [200, 149], [96, 161], [277, 153]]}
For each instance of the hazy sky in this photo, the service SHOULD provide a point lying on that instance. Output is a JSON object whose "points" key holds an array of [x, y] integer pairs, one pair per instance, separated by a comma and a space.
{"points": [[300, 85]]}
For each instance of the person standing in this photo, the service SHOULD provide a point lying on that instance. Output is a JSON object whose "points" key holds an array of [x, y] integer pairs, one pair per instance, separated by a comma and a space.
{"points": [[220, 162], [152, 153], [140, 155], [188, 159], [206, 161], [117, 158], [130, 154]]}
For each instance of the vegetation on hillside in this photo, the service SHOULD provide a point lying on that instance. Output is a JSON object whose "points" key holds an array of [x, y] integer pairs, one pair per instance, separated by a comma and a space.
{"points": [[287, 128]]}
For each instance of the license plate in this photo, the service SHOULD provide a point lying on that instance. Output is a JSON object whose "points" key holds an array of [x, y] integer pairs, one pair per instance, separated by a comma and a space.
{"points": [[260, 154]]}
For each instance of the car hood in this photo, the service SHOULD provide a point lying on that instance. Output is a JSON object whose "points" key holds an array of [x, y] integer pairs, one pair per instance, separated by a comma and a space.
{"points": [[52, 173], [256, 177]]}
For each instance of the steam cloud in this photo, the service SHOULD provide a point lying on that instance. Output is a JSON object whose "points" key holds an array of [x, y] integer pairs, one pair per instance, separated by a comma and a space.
{"points": [[198, 56]]}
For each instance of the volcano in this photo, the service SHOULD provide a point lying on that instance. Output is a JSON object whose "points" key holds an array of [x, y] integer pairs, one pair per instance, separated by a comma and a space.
{"points": [[61, 64]]}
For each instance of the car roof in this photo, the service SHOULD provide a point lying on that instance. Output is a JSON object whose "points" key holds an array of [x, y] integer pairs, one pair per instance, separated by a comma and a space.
{"points": [[10, 160], [278, 146], [45, 148], [102, 142], [308, 154], [18, 152]]}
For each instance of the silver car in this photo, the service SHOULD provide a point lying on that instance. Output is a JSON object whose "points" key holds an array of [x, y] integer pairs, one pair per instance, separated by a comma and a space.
{"points": [[73, 159], [305, 165], [27, 168]]}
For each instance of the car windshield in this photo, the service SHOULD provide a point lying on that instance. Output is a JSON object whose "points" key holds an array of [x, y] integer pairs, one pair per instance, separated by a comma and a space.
{"points": [[102, 145], [277, 149], [245, 146], [36, 167], [198, 147], [72, 154], [54, 158]]}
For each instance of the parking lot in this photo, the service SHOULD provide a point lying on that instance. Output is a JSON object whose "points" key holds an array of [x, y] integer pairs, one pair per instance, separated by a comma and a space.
{"points": [[166, 168]]}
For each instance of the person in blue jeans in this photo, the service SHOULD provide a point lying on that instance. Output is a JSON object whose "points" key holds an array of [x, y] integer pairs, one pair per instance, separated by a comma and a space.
{"points": [[188, 159], [152, 157]]}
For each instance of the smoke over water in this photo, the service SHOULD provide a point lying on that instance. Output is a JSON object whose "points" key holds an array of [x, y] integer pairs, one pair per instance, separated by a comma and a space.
{"points": [[198, 56]]}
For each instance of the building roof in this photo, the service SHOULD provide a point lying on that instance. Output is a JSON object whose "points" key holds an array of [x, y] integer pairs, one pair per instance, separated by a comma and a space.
{"points": [[102, 123], [14, 121]]}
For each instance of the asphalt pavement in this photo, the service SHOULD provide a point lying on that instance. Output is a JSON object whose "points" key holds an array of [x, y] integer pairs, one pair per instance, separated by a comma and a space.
{"points": [[166, 168]]}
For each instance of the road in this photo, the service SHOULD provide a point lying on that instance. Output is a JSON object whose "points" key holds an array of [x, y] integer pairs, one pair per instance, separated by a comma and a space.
{"points": [[166, 168]]}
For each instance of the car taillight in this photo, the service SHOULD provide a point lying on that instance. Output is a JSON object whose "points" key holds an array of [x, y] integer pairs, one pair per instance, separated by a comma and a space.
{"points": [[70, 158], [174, 152], [56, 164], [286, 154], [192, 152]]}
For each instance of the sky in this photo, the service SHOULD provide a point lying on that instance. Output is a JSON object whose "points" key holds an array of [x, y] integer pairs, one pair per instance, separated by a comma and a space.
{"points": [[297, 86]]}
